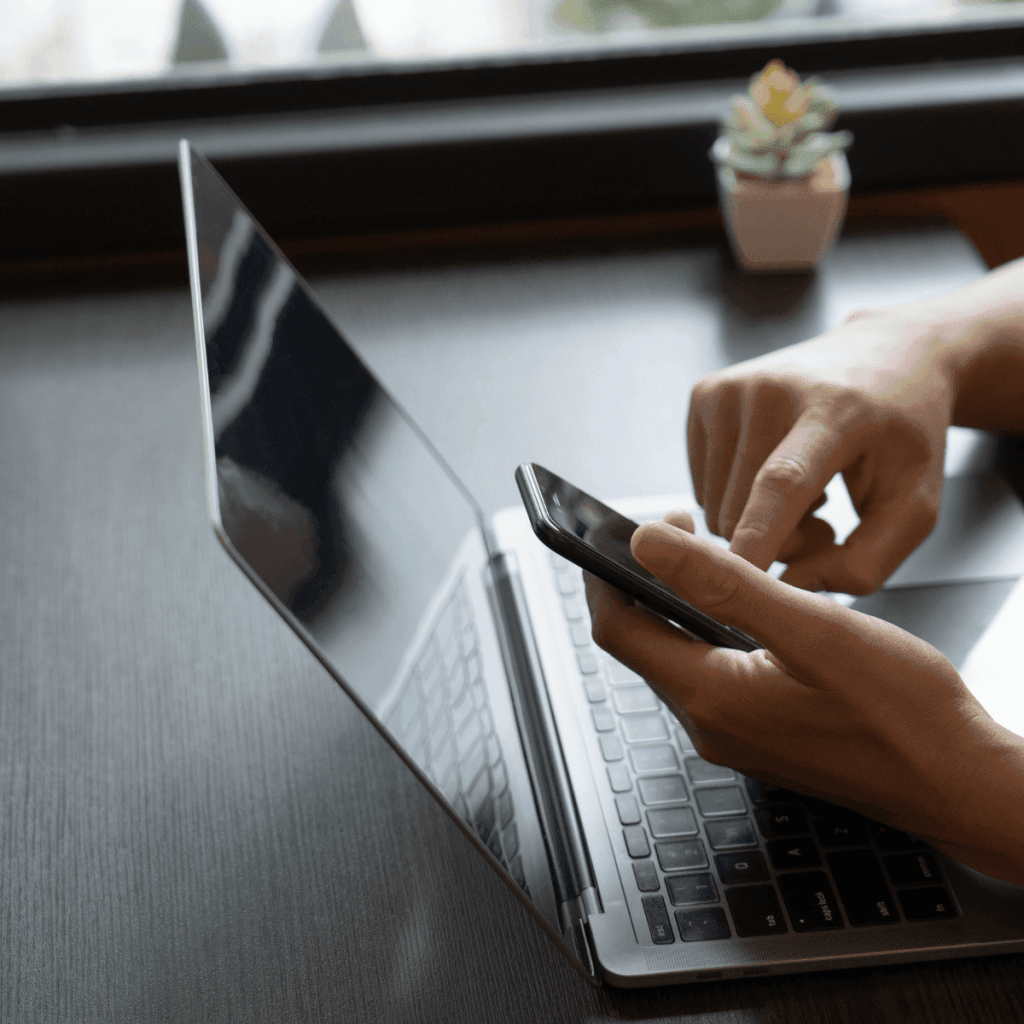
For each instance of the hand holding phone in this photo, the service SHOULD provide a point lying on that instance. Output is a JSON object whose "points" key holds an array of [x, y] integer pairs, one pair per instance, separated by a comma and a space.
{"points": [[596, 538]]}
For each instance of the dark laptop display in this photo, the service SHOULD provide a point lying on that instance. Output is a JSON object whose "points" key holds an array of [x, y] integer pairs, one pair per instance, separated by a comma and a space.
{"points": [[468, 645]]}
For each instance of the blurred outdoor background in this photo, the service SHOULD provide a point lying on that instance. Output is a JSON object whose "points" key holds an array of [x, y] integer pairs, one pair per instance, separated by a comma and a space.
{"points": [[49, 41]]}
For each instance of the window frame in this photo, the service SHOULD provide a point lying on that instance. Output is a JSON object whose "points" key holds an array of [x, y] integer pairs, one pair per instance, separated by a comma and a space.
{"points": [[332, 149]]}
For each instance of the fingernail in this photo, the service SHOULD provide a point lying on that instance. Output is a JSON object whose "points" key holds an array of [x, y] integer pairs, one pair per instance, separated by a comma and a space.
{"points": [[657, 543]]}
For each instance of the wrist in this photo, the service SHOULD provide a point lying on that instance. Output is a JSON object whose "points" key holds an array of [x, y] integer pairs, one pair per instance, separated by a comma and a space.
{"points": [[976, 340], [987, 805]]}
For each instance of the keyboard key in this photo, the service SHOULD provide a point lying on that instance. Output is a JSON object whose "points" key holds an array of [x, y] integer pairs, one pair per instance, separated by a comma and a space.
{"points": [[912, 869], [663, 789], [567, 583], [811, 903], [892, 839], [756, 911], [604, 720], [636, 841], [798, 852], [594, 689], [762, 793], [618, 673], [730, 833], [741, 867], [842, 830], [700, 770], [631, 700], [720, 801], [588, 663], [931, 904], [646, 876], [618, 778], [683, 740], [611, 748], [575, 608], [628, 810], [672, 821], [681, 855], [702, 925], [861, 884], [686, 889], [784, 820], [644, 728], [821, 808], [654, 758], [658, 921], [580, 633]]}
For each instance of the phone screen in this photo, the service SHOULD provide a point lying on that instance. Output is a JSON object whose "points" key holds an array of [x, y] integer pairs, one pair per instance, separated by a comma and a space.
{"points": [[588, 532], [593, 522]]}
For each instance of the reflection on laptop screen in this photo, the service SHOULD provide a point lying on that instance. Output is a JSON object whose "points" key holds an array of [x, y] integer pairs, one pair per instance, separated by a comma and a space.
{"points": [[324, 487]]}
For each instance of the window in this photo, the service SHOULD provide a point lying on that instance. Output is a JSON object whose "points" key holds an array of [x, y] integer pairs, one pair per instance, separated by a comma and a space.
{"points": [[362, 115], [113, 40]]}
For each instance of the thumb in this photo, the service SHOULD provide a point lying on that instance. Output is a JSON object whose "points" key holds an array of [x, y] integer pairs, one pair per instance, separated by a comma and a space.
{"points": [[796, 626]]}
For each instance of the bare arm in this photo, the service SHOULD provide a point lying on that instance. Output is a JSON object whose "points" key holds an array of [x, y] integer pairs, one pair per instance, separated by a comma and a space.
{"points": [[840, 705], [872, 400]]}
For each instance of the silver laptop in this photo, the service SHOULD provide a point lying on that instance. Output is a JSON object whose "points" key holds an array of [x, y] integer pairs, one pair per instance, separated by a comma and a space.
{"points": [[468, 645]]}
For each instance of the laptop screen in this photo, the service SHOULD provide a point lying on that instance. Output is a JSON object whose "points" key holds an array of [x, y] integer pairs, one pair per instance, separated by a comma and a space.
{"points": [[321, 483]]}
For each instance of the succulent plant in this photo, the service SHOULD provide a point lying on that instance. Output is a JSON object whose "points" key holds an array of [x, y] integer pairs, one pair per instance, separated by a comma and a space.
{"points": [[780, 128]]}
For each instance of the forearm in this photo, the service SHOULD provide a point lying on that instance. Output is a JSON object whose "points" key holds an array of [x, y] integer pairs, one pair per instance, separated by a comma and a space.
{"points": [[978, 333], [989, 805]]}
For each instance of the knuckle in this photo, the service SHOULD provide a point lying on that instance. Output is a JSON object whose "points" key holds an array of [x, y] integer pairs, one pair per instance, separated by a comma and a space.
{"points": [[922, 515], [782, 474], [851, 410], [769, 390], [749, 535], [721, 593], [702, 390], [863, 580], [711, 384], [714, 392]]}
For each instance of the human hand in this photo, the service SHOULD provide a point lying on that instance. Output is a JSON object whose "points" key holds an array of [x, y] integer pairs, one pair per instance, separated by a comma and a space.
{"points": [[870, 400], [839, 705]]}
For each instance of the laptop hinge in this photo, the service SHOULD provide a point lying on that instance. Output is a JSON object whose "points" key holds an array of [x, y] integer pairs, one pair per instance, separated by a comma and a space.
{"points": [[575, 889], [575, 934]]}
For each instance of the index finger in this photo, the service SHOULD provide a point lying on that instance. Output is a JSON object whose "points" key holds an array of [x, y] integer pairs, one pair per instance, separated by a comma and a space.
{"points": [[785, 488]]}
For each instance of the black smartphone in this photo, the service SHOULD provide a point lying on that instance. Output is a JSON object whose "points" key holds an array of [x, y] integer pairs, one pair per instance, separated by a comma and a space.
{"points": [[596, 538]]}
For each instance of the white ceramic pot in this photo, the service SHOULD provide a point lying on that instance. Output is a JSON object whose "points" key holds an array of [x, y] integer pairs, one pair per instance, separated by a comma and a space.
{"points": [[784, 225]]}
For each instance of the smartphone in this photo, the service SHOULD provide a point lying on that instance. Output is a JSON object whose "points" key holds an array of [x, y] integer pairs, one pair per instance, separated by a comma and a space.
{"points": [[596, 538]]}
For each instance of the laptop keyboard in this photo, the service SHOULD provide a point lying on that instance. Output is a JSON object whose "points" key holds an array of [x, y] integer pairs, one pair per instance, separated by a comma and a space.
{"points": [[713, 854], [443, 718]]}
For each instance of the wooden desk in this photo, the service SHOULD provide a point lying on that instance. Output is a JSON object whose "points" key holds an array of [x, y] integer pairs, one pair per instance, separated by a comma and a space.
{"points": [[195, 823]]}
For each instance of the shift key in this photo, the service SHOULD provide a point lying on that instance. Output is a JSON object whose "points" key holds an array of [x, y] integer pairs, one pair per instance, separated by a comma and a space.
{"points": [[862, 888]]}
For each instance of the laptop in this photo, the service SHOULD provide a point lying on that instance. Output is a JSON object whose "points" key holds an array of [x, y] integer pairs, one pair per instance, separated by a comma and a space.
{"points": [[467, 644]]}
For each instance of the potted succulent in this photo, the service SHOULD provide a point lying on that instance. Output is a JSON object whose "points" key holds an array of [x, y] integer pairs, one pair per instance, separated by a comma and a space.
{"points": [[783, 178]]}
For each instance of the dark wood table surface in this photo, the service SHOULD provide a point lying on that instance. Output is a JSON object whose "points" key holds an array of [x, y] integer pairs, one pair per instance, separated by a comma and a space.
{"points": [[195, 822]]}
